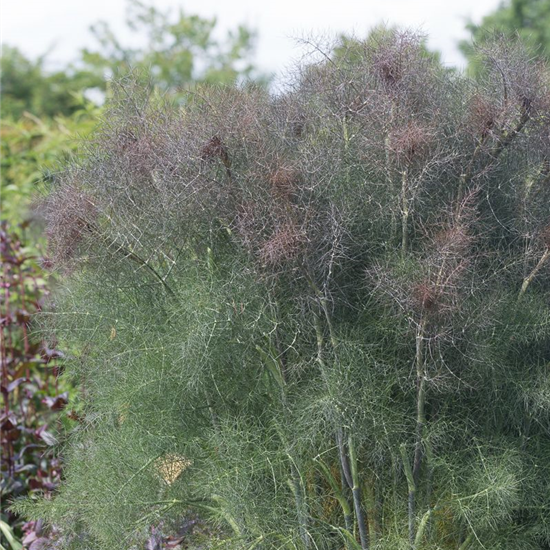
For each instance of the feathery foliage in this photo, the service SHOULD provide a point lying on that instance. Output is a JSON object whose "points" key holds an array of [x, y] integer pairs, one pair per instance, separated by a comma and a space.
{"points": [[318, 319]]}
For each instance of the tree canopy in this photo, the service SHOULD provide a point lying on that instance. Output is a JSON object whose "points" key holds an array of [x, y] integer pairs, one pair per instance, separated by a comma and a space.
{"points": [[28, 86], [525, 20], [179, 51]]}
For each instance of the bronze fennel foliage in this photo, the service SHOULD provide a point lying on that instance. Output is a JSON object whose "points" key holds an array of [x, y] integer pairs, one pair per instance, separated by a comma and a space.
{"points": [[326, 310]]}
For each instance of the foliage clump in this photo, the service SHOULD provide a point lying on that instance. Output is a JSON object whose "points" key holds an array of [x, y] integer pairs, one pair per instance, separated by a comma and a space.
{"points": [[31, 394], [318, 319]]}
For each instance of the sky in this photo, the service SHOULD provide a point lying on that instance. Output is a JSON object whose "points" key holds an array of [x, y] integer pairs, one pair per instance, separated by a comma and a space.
{"points": [[62, 26]]}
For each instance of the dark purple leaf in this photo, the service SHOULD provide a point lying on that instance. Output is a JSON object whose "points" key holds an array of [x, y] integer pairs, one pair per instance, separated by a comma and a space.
{"points": [[41, 544], [35, 484], [58, 402], [155, 541], [25, 468], [50, 354], [8, 421], [15, 384], [23, 316], [29, 538]]}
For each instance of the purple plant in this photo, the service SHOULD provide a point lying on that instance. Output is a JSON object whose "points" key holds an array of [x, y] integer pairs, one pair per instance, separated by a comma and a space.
{"points": [[31, 397]]}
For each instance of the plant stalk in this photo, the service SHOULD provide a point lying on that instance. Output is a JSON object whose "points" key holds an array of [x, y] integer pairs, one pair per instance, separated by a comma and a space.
{"points": [[404, 214], [411, 496], [532, 275], [356, 492]]}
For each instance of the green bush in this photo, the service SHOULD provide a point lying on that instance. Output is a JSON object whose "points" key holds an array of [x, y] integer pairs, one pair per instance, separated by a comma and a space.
{"points": [[316, 320], [33, 150]]}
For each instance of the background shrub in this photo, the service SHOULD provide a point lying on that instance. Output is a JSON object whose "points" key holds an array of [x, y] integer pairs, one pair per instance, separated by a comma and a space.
{"points": [[31, 391]]}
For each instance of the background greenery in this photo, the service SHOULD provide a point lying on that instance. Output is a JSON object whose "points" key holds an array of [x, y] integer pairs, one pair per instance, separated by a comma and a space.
{"points": [[528, 20]]}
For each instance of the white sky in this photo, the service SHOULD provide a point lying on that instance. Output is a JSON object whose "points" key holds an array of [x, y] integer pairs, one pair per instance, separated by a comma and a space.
{"points": [[38, 25]]}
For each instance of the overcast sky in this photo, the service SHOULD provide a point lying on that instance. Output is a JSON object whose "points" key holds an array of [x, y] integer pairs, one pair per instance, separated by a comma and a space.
{"points": [[35, 26]]}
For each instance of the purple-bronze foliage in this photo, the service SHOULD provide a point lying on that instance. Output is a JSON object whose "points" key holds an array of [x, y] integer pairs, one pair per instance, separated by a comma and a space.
{"points": [[325, 309]]}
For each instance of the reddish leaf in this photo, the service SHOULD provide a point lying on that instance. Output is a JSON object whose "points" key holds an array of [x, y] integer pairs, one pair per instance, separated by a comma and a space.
{"points": [[41, 544], [56, 403], [35, 484], [50, 354], [8, 422], [23, 316], [12, 435]]}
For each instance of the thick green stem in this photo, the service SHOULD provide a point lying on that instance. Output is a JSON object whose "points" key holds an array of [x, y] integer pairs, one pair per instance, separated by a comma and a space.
{"points": [[532, 275], [346, 480], [350, 470], [404, 214], [411, 497], [356, 492], [413, 473], [338, 494], [420, 426], [466, 542], [429, 474], [371, 510], [422, 527], [224, 511], [297, 489], [320, 343], [342, 457], [274, 363], [420, 399]]}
